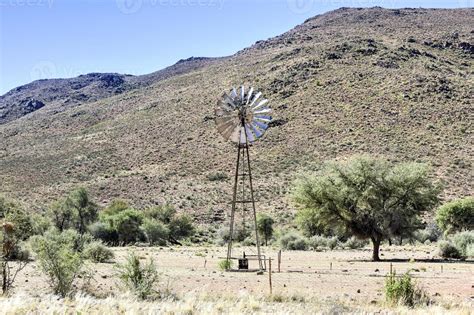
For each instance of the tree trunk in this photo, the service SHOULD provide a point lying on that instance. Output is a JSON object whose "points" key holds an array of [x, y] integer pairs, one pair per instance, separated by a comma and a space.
{"points": [[375, 253], [266, 240]]}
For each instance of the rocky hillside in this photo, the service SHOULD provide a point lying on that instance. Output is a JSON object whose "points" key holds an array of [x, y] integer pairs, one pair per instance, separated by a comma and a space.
{"points": [[61, 94], [396, 83]]}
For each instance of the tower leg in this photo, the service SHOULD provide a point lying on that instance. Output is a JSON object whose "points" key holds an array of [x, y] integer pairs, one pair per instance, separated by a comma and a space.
{"points": [[232, 213], [254, 211]]}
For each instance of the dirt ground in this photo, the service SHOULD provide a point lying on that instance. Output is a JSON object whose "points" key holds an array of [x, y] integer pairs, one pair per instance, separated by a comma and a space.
{"points": [[326, 274]]}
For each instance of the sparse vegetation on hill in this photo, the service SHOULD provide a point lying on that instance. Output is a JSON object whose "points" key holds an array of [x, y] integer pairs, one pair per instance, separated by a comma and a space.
{"points": [[345, 82]]}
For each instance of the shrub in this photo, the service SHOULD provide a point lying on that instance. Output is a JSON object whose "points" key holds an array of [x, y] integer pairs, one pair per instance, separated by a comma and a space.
{"points": [[21, 220], [265, 226], [59, 259], [249, 241], [355, 243], [127, 225], [180, 227], [456, 215], [114, 208], [317, 242], [240, 235], [104, 232], [293, 241], [430, 233], [404, 291], [462, 241], [20, 252], [98, 252], [164, 213], [217, 177], [138, 278], [156, 232], [79, 240], [448, 250], [225, 264], [41, 223], [332, 242], [12, 250], [470, 250]]}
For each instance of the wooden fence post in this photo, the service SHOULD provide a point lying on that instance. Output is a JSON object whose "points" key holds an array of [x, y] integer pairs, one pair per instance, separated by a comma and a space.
{"points": [[279, 260], [270, 274]]}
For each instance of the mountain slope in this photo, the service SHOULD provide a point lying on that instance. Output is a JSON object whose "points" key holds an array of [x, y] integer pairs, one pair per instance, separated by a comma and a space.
{"points": [[55, 95], [396, 83]]}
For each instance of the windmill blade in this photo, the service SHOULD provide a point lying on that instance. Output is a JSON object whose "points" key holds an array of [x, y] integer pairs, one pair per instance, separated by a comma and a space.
{"points": [[224, 127], [263, 118], [248, 131], [255, 98], [228, 134], [233, 94], [242, 94], [260, 125], [226, 99], [263, 102], [264, 110], [249, 95], [258, 133], [223, 110], [224, 120]]}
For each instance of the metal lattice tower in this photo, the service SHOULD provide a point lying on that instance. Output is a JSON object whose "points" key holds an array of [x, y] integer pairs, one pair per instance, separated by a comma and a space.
{"points": [[242, 117]]}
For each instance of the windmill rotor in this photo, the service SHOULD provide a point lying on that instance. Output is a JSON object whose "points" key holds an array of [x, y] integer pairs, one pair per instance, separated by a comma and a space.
{"points": [[242, 116]]}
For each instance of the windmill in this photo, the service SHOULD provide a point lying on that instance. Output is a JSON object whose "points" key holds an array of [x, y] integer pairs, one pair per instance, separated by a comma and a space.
{"points": [[243, 117]]}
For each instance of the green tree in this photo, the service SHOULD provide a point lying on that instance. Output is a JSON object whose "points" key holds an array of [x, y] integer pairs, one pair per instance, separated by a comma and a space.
{"points": [[180, 227], [77, 211], [369, 198], [86, 209], [265, 226], [456, 215], [62, 214]]}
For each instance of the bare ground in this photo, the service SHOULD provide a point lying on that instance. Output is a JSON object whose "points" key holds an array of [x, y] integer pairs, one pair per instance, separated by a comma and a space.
{"points": [[193, 271]]}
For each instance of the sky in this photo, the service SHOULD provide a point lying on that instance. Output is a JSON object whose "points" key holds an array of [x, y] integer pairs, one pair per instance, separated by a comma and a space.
{"points": [[42, 39]]}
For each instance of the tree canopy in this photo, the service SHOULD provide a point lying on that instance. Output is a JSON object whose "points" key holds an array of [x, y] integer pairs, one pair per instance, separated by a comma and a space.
{"points": [[456, 215], [368, 197]]}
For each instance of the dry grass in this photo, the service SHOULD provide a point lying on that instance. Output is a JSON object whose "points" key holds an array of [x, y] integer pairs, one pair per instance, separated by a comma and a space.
{"points": [[198, 304]]}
